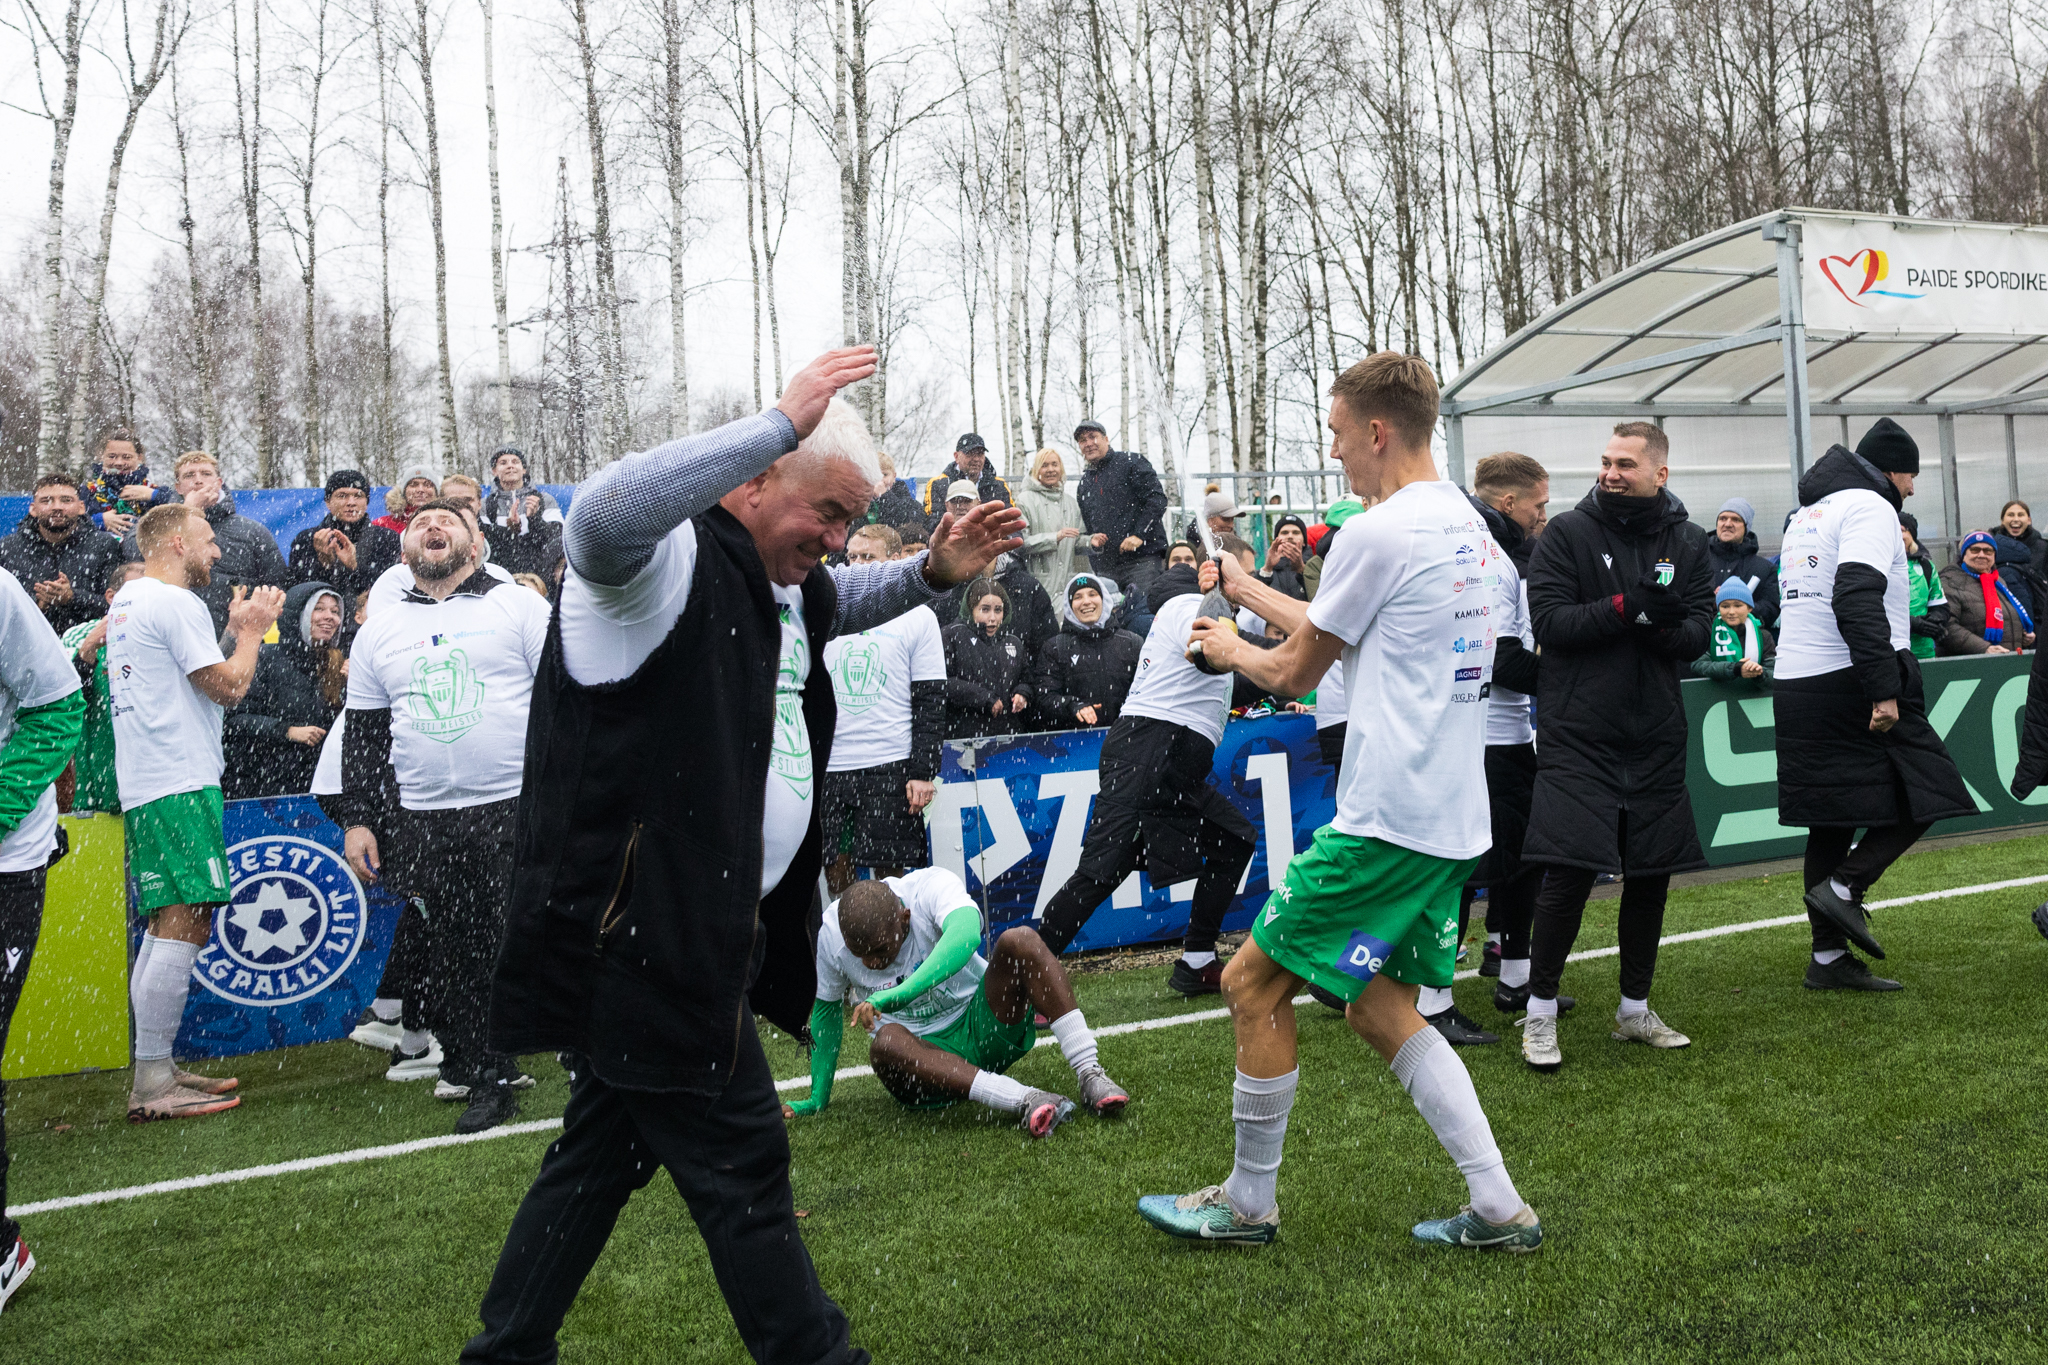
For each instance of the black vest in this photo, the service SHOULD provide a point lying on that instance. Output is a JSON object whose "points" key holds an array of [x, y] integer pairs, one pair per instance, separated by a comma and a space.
{"points": [[636, 934]]}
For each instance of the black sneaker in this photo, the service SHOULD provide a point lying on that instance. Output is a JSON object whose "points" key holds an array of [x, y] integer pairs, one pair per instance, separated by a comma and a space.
{"points": [[1847, 916], [1515, 999], [1458, 1030], [1194, 981], [1330, 998], [1489, 960], [2041, 918], [1846, 973], [491, 1102]]}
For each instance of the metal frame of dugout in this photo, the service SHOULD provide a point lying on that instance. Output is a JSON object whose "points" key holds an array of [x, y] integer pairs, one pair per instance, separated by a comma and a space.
{"points": [[1801, 311]]}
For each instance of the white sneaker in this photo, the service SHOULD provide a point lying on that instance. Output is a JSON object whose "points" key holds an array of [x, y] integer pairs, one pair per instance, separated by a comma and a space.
{"points": [[14, 1269], [449, 1090], [1648, 1028], [424, 1065], [374, 1032], [1539, 1042]]}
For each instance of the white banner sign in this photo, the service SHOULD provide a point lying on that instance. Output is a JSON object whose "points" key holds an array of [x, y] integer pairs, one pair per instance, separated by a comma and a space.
{"points": [[1870, 275]]}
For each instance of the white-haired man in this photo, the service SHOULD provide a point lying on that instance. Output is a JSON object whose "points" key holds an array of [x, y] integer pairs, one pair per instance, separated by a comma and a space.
{"points": [[668, 846]]}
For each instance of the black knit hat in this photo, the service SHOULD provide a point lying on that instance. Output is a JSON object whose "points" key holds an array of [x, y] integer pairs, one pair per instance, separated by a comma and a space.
{"points": [[1890, 447], [1911, 523], [347, 478]]}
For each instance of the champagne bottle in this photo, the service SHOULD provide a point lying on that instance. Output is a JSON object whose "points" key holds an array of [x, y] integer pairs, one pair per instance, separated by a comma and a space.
{"points": [[1215, 605]]}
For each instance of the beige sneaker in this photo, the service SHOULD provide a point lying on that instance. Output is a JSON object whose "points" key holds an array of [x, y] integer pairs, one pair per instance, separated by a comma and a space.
{"points": [[1539, 1042], [1648, 1028], [177, 1103], [206, 1085]]}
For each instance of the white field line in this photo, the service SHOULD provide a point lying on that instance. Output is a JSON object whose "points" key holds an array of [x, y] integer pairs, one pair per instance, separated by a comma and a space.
{"points": [[427, 1144]]}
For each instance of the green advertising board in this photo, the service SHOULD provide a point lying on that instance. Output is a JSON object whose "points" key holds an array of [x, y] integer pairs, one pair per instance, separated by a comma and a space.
{"points": [[1731, 767]]}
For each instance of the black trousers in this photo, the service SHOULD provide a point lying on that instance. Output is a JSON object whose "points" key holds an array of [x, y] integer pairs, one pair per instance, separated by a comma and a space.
{"points": [[459, 864], [1828, 854], [729, 1158], [21, 922], [1511, 911], [1561, 904], [407, 966], [1224, 859]]}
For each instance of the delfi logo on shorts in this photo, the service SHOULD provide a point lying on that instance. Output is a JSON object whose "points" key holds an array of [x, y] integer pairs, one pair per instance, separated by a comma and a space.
{"points": [[295, 919], [1363, 956]]}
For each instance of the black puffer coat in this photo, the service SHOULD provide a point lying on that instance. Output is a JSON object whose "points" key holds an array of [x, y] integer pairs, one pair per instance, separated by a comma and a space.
{"points": [[257, 758], [1084, 666], [1610, 726], [1741, 560], [982, 669], [1834, 771], [2032, 769]]}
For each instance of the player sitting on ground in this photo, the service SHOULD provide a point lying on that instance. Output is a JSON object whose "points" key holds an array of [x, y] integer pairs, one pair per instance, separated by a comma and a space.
{"points": [[946, 1022]]}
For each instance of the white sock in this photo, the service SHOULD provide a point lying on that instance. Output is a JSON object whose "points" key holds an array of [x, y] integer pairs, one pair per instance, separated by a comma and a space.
{"points": [[1629, 1007], [386, 1009], [1260, 1108], [1076, 1039], [141, 962], [1830, 955], [413, 1041], [1431, 1000], [1198, 960], [1493, 938], [1514, 971], [1429, 1069], [159, 1000], [1840, 890], [997, 1092], [1540, 1008]]}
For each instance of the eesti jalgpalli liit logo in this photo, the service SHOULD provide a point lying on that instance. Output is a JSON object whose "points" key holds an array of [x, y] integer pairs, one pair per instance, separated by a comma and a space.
{"points": [[1856, 277], [294, 921]]}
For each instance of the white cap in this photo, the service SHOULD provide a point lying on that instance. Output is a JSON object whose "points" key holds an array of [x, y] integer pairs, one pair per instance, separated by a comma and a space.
{"points": [[961, 488], [1220, 505]]}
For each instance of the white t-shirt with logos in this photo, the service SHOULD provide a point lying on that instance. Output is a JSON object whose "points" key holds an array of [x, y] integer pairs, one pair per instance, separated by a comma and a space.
{"points": [[608, 632], [1415, 750], [35, 670], [931, 895], [166, 731], [1854, 526], [457, 676], [1170, 688], [871, 677], [1507, 711]]}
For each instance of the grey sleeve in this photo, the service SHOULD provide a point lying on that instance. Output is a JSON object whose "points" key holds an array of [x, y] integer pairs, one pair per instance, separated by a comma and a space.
{"points": [[870, 594], [621, 514]]}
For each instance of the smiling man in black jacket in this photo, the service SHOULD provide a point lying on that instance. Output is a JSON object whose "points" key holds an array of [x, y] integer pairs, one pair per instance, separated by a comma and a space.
{"points": [[1125, 507], [1619, 600]]}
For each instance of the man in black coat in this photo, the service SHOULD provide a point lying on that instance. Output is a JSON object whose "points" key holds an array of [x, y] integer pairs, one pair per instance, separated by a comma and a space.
{"points": [[970, 462], [1124, 506], [344, 550], [1855, 749], [1619, 601], [59, 556], [666, 890], [1732, 553]]}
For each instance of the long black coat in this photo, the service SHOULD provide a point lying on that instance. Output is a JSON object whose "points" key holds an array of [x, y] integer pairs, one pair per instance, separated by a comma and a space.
{"points": [[982, 669], [2032, 769], [1834, 771], [1610, 725], [1085, 666], [257, 758]]}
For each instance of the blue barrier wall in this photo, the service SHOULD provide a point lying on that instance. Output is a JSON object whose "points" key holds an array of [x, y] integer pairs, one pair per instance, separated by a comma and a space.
{"points": [[283, 511]]}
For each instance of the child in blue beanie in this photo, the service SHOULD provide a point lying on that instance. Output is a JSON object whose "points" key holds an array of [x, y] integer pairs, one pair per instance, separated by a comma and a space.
{"points": [[1741, 648]]}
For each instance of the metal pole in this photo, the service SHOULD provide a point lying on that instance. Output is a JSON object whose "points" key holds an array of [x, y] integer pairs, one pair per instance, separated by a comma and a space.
{"points": [[1454, 447], [1845, 430], [2012, 460], [1951, 495], [1792, 338]]}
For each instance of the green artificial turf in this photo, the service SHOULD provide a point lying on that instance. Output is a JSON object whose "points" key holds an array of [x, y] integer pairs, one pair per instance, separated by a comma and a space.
{"points": [[1818, 1178]]}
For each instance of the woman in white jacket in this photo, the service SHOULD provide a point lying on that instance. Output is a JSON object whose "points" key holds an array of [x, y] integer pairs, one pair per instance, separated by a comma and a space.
{"points": [[1052, 520]]}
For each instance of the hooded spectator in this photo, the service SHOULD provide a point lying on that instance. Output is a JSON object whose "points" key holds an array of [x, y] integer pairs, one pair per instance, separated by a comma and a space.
{"points": [[270, 743], [59, 556], [1741, 648], [1124, 507], [987, 692], [1052, 521], [896, 502], [1732, 553], [119, 482], [1030, 617], [1084, 673], [249, 555], [1983, 600], [970, 463], [416, 484], [346, 549]]}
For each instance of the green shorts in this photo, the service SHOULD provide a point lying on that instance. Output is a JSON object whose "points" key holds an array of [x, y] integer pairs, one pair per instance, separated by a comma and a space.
{"points": [[982, 1040], [1352, 908], [175, 850]]}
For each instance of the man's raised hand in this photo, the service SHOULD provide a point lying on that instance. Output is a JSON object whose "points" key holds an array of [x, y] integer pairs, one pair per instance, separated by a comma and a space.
{"points": [[252, 614], [962, 547], [812, 387]]}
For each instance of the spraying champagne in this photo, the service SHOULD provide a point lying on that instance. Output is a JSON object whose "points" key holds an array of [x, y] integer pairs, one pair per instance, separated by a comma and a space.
{"points": [[1214, 604]]}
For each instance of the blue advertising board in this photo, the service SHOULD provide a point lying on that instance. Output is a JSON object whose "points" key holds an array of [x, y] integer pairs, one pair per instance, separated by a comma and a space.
{"points": [[297, 951], [1010, 813]]}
